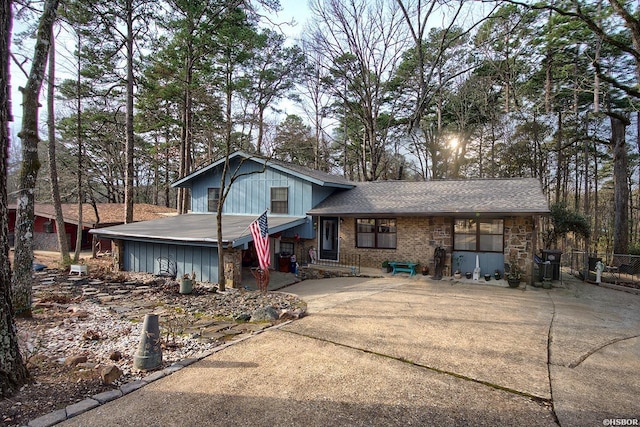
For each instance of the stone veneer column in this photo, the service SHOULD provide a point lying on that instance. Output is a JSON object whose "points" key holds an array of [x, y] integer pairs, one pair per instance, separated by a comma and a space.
{"points": [[232, 268], [518, 236], [118, 259]]}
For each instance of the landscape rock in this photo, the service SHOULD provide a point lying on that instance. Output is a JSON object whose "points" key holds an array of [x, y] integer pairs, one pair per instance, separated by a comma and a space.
{"points": [[243, 317], [37, 359], [76, 311], [87, 365], [110, 373], [75, 360], [90, 335], [102, 316], [265, 314], [291, 314]]}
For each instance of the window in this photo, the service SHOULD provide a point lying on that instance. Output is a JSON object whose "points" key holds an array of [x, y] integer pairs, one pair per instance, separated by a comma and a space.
{"points": [[478, 235], [376, 233], [279, 200], [213, 196], [286, 248]]}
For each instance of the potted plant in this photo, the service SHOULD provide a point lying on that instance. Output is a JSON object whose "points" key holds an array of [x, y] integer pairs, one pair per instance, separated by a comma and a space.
{"points": [[468, 275], [457, 260], [514, 276], [386, 268], [497, 274], [487, 277]]}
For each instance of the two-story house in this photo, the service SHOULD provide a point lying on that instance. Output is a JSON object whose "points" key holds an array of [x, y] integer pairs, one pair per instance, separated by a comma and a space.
{"points": [[187, 243], [492, 222]]}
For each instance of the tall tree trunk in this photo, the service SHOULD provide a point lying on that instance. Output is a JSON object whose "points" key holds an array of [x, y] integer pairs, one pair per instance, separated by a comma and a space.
{"points": [[78, 245], [548, 68], [187, 131], [223, 179], [166, 170], [156, 169], [13, 372], [23, 259], [634, 219], [596, 199], [63, 244], [260, 129], [621, 189], [560, 160], [128, 193]]}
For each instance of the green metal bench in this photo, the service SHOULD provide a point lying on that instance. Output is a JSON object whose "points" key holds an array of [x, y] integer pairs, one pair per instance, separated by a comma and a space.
{"points": [[403, 267]]}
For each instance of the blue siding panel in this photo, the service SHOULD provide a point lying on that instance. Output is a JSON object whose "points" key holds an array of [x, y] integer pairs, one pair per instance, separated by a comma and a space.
{"points": [[143, 257], [489, 262], [251, 194]]}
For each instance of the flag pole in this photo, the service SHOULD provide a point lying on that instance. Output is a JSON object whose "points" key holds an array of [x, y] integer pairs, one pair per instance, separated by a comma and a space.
{"points": [[260, 233], [247, 227]]}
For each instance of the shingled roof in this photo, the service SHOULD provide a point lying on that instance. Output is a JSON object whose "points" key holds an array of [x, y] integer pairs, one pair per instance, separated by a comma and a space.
{"points": [[110, 213], [320, 178], [517, 196], [198, 228]]}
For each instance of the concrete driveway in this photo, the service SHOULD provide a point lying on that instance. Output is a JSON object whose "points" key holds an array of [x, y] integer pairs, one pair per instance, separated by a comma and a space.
{"points": [[410, 351]]}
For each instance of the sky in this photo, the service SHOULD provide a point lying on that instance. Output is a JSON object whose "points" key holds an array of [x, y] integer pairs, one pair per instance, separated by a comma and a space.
{"points": [[294, 10]]}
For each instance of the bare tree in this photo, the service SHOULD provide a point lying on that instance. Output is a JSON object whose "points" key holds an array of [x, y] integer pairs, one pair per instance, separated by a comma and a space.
{"points": [[316, 107], [63, 244], [13, 372], [361, 41], [23, 260]]}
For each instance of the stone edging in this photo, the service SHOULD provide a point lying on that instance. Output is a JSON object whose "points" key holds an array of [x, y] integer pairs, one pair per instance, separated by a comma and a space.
{"points": [[96, 400]]}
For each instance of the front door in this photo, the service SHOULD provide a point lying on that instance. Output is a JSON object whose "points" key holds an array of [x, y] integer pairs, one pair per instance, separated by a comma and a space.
{"points": [[329, 238]]}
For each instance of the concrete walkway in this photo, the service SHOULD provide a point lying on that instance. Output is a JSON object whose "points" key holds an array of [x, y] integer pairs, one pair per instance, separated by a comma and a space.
{"points": [[410, 351]]}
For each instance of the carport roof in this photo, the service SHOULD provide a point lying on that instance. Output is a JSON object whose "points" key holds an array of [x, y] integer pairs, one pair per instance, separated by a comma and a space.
{"points": [[494, 197], [197, 228]]}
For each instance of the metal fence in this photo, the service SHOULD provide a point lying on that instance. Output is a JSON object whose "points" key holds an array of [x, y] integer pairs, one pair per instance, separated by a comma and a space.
{"points": [[348, 261], [618, 268]]}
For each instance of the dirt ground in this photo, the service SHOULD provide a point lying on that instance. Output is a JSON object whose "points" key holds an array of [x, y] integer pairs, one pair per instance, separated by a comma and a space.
{"points": [[52, 385]]}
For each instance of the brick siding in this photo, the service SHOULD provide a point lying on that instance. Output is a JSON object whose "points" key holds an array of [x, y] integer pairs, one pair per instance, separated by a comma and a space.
{"points": [[418, 237]]}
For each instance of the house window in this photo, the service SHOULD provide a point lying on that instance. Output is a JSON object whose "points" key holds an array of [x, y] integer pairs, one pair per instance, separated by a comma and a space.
{"points": [[279, 200], [376, 233], [478, 235], [213, 196]]}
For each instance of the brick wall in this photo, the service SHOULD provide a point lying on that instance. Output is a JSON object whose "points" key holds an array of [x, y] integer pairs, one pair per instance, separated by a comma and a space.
{"points": [[417, 239]]}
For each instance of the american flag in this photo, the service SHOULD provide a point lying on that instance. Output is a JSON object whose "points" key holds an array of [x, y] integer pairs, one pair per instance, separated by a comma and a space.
{"points": [[260, 233]]}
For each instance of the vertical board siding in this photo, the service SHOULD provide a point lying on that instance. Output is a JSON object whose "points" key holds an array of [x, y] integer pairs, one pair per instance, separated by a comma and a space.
{"points": [[143, 257], [251, 194]]}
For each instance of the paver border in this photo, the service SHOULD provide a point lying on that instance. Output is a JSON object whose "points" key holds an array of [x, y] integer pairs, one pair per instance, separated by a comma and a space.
{"points": [[99, 399]]}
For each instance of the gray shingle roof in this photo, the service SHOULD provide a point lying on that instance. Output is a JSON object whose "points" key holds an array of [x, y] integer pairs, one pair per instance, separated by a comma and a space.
{"points": [[324, 177], [516, 196], [320, 178], [197, 228]]}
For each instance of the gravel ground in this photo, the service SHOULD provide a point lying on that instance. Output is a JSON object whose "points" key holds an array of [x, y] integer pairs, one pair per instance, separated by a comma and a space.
{"points": [[100, 318]]}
